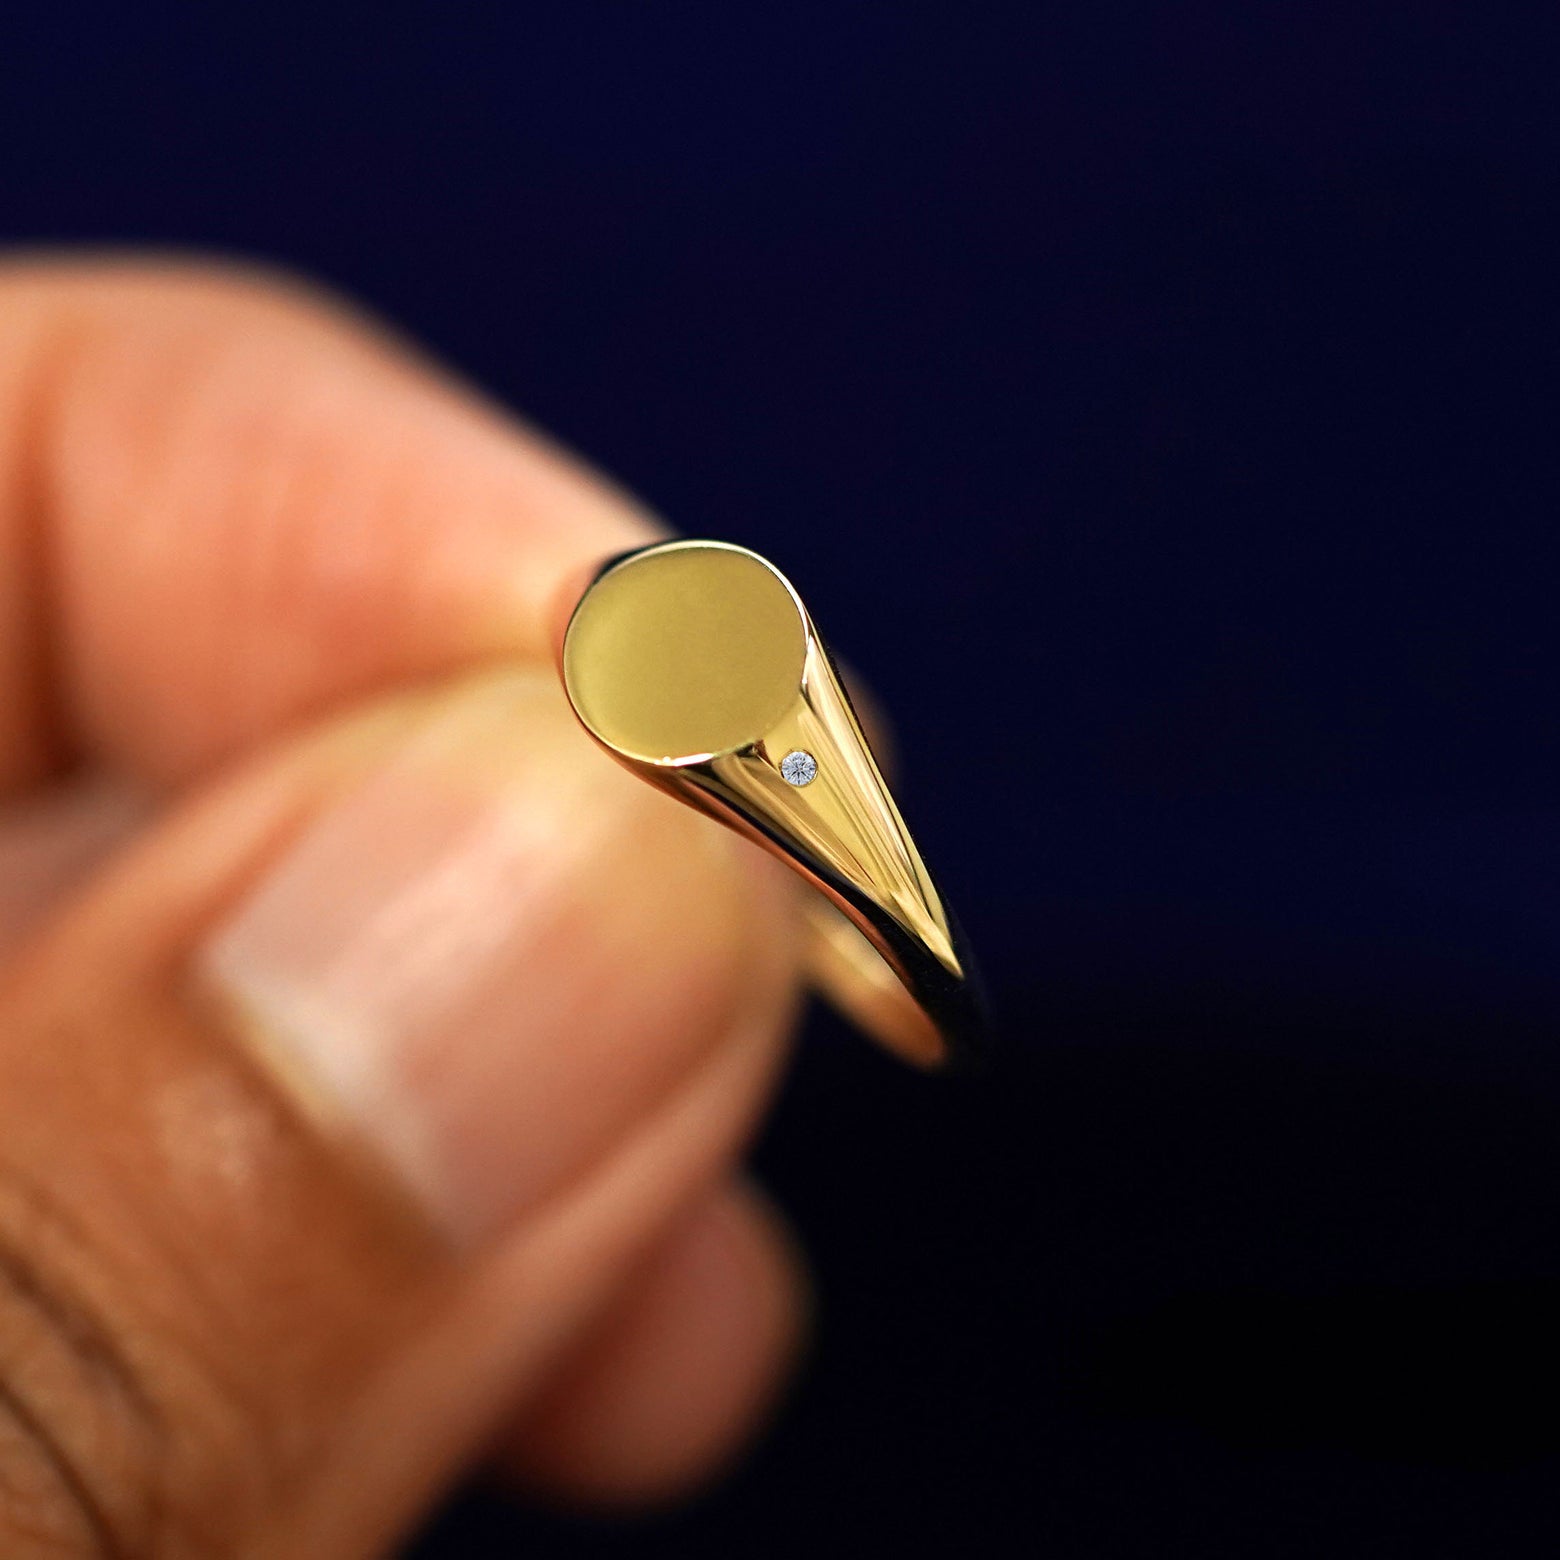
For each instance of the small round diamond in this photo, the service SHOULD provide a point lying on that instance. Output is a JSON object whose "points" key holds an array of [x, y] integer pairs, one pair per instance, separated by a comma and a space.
{"points": [[798, 768]]}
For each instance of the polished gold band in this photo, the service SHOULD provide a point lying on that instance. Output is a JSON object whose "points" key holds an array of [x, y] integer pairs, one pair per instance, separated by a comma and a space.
{"points": [[696, 665]]}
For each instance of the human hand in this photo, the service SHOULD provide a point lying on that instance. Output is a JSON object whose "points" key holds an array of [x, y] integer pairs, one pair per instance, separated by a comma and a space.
{"points": [[374, 1054]]}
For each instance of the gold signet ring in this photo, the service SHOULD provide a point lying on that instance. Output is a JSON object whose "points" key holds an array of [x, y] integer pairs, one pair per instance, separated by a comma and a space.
{"points": [[696, 665]]}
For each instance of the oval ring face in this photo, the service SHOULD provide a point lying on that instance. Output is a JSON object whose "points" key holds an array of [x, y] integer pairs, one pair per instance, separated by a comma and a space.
{"points": [[684, 651]]}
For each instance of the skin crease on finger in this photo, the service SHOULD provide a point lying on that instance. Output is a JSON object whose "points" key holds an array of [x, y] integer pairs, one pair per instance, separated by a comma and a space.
{"points": [[222, 512]]}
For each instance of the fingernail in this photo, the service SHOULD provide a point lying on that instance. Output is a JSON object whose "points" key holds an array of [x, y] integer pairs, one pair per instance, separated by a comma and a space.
{"points": [[493, 952]]}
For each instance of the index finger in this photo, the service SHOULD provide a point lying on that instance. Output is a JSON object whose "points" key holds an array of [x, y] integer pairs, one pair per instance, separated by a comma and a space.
{"points": [[226, 505]]}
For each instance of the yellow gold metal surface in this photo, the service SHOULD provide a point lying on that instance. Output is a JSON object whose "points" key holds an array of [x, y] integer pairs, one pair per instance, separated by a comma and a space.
{"points": [[696, 665], [688, 653]]}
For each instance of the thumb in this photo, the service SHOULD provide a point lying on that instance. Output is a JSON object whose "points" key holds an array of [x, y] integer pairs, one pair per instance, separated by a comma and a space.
{"points": [[339, 1107]]}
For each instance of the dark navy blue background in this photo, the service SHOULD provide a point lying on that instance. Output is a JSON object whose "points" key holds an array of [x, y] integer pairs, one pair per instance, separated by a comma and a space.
{"points": [[1158, 404]]}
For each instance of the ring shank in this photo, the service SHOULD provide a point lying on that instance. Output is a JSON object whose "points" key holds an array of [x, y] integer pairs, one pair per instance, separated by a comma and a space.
{"points": [[924, 1016]]}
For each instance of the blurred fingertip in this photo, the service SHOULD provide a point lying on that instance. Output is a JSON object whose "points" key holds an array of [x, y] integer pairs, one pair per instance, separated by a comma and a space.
{"points": [[682, 1374]]}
